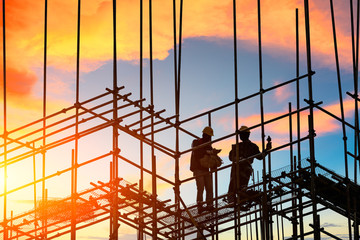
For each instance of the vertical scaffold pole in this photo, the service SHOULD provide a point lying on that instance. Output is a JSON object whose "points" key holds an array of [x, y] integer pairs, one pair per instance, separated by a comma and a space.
{"points": [[266, 217], [44, 113], [216, 195], [179, 61], [177, 178], [255, 213], [293, 187], [115, 167], [153, 159], [141, 185], [355, 56], [301, 223], [177, 73], [111, 212], [311, 123], [235, 164], [77, 106], [5, 126], [354, 68], [342, 115], [35, 207], [73, 199]]}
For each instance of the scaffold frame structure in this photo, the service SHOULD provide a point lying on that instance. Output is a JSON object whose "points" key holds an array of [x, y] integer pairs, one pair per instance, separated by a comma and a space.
{"points": [[303, 188]]}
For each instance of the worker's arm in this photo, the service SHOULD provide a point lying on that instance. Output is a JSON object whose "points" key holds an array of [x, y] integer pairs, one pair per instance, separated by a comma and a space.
{"points": [[265, 152]]}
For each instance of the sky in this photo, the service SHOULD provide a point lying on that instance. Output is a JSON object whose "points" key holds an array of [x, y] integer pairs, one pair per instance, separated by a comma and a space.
{"points": [[207, 81]]}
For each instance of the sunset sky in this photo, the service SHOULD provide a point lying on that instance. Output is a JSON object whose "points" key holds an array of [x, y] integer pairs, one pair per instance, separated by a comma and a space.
{"points": [[207, 80]]}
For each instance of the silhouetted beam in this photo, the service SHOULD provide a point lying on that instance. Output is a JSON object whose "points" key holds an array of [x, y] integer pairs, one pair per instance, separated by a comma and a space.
{"points": [[327, 233], [155, 123], [144, 119], [56, 174], [141, 137], [157, 116], [56, 143], [10, 140], [22, 233], [333, 116], [67, 119], [59, 112], [157, 146], [145, 170]]}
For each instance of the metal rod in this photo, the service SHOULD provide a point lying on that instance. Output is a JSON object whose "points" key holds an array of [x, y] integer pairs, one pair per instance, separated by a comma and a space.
{"points": [[179, 62], [277, 223], [115, 167], [82, 134], [55, 174], [111, 217], [293, 202], [235, 164], [266, 223], [146, 170], [77, 105], [141, 184], [339, 86], [357, 137], [301, 224], [282, 221], [153, 159], [34, 173], [177, 107], [44, 107], [5, 123], [311, 120], [73, 199], [256, 222], [342, 114], [191, 217]]}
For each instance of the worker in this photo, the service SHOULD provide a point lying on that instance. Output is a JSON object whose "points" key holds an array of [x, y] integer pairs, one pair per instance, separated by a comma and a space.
{"points": [[202, 175], [247, 151]]}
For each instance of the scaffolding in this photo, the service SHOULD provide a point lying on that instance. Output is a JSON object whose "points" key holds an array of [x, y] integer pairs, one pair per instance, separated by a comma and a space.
{"points": [[291, 194]]}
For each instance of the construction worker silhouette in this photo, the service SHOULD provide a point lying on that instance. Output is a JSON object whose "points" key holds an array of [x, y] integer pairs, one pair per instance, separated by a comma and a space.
{"points": [[247, 151], [202, 176]]}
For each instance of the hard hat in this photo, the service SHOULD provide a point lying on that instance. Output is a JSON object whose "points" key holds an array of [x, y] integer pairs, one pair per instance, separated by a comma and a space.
{"points": [[209, 131], [244, 129]]}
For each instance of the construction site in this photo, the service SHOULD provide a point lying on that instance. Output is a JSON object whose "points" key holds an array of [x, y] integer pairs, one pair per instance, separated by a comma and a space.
{"points": [[290, 193]]}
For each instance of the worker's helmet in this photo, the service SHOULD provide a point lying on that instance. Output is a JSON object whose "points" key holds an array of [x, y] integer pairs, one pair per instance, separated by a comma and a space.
{"points": [[244, 129], [209, 131]]}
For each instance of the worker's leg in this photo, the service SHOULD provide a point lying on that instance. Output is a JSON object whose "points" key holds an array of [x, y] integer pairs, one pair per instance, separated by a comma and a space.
{"points": [[231, 190], [245, 177], [209, 190], [200, 185]]}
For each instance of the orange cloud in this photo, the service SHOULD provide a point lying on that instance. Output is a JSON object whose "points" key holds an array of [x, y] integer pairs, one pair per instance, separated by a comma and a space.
{"points": [[282, 93], [28, 109], [19, 81], [203, 18]]}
